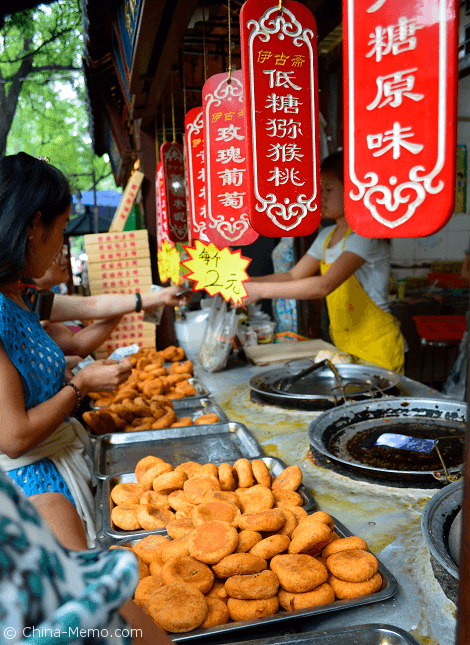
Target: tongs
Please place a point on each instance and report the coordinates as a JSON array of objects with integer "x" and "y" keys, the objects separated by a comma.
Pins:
[
  {"x": 287, "y": 381},
  {"x": 447, "y": 477}
]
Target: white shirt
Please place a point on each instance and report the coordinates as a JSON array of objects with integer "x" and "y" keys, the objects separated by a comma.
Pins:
[{"x": 373, "y": 275}]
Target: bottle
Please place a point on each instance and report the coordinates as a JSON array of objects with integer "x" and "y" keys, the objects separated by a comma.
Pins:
[{"x": 401, "y": 288}]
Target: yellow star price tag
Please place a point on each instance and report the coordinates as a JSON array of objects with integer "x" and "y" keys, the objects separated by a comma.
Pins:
[
  {"x": 168, "y": 263},
  {"x": 217, "y": 270}
]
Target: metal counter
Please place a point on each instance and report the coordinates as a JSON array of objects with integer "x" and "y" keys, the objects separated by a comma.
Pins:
[{"x": 388, "y": 518}]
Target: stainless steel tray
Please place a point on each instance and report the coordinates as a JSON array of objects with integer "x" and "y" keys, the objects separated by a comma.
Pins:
[
  {"x": 436, "y": 522},
  {"x": 190, "y": 407},
  {"x": 389, "y": 587},
  {"x": 276, "y": 466},
  {"x": 320, "y": 388},
  {"x": 202, "y": 392},
  {"x": 373, "y": 634},
  {"x": 119, "y": 452}
]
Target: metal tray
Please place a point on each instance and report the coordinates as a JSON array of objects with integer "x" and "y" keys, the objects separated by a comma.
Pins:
[
  {"x": 119, "y": 452},
  {"x": 202, "y": 392},
  {"x": 189, "y": 407},
  {"x": 435, "y": 411},
  {"x": 373, "y": 634},
  {"x": 276, "y": 466},
  {"x": 436, "y": 522},
  {"x": 319, "y": 390},
  {"x": 389, "y": 587}
]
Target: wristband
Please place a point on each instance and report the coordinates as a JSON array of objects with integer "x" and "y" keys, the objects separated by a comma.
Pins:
[
  {"x": 77, "y": 391},
  {"x": 138, "y": 302}
]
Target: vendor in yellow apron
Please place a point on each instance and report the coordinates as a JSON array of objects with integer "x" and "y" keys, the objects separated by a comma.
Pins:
[{"x": 358, "y": 326}]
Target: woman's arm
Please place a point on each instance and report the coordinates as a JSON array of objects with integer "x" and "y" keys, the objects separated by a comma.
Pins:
[
  {"x": 307, "y": 288},
  {"x": 109, "y": 305},
  {"x": 305, "y": 267},
  {"x": 85, "y": 341},
  {"x": 23, "y": 429}
]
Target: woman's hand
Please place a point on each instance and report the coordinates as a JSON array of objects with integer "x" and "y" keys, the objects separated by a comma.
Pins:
[
  {"x": 102, "y": 376},
  {"x": 253, "y": 290},
  {"x": 166, "y": 296}
]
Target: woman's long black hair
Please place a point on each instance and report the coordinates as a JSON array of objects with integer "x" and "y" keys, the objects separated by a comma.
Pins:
[{"x": 27, "y": 186}]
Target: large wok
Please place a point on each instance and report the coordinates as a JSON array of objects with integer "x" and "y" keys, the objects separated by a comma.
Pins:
[{"x": 430, "y": 418}]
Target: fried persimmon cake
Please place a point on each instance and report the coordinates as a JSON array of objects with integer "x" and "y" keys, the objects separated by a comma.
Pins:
[
  {"x": 146, "y": 588},
  {"x": 247, "y": 539},
  {"x": 218, "y": 591},
  {"x": 261, "y": 472},
  {"x": 159, "y": 500},
  {"x": 145, "y": 464},
  {"x": 255, "y": 499},
  {"x": 179, "y": 502},
  {"x": 218, "y": 613},
  {"x": 147, "y": 478},
  {"x": 286, "y": 498},
  {"x": 250, "y": 609},
  {"x": 169, "y": 481},
  {"x": 150, "y": 547},
  {"x": 151, "y": 517},
  {"x": 298, "y": 573},
  {"x": 198, "y": 486},
  {"x": 239, "y": 564},
  {"x": 244, "y": 473},
  {"x": 227, "y": 477},
  {"x": 178, "y": 607},
  {"x": 321, "y": 595},
  {"x": 289, "y": 479},
  {"x": 344, "y": 589},
  {"x": 176, "y": 548},
  {"x": 289, "y": 526},
  {"x": 344, "y": 544},
  {"x": 129, "y": 493},
  {"x": 270, "y": 520},
  {"x": 212, "y": 541},
  {"x": 206, "y": 418},
  {"x": 179, "y": 528},
  {"x": 155, "y": 567},
  {"x": 354, "y": 565},
  {"x": 209, "y": 511},
  {"x": 186, "y": 569},
  {"x": 182, "y": 422},
  {"x": 299, "y": 512},
  {"x": 209, "y": 469},
  {"x": 224, "y": 495},
  {"x": 271, "y": 546},
  {"x": 125, "y": 517},
  {"x": 191, "y": 468},
  {"x": 310, "y": 537},
  {"x": 254, "y": 586}
]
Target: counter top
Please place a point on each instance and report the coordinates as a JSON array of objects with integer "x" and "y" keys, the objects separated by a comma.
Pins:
[{"x": 388, "y": 518}]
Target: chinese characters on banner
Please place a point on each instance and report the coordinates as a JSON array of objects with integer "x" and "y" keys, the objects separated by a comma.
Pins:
[
  {"x": 194, "y": 135},
  {"x": 279, "y": 55},
  {"x": 172, "y": 158},
  {"x": 217, "y": 270},
  {"x": 127, "y": 201},
  {"x": 162, "y": 215},
  {"x": 400, "y": 75},
  {"x": 227, "y": 222}
]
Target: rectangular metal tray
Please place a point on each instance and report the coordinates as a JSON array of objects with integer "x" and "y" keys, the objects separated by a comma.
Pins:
[
  {"x": 276, "y": 466},
  {"x": 119, "y": 452},
  {"x": 389, "y": 587},
  {"x": 189, "y": 407},
  {"x": 373, "y": 634}
]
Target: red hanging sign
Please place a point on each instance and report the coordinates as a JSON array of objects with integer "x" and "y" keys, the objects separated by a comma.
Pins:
[
  {"x": 173, "y": 167},
  {"x": 279, "y": 54},
  {"x": 194, "y": 136},
  {"x": 225, "y": 162},
  {"x": 400, "y": 89},
  {"x": 162, "y": 214}
]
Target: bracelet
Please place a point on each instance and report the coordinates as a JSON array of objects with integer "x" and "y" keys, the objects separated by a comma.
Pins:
[
  {"x": 77, "y": 391},
  {"x": 138, "y": 302}
]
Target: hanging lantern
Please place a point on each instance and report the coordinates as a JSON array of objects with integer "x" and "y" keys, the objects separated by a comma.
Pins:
[
  {"x": 174, "y": 190},
  {"x": 195, "y": 172},
  {"x": 279, "y": 57}
]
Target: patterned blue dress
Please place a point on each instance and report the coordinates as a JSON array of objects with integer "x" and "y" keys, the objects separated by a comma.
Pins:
[
  {"x": 49, "y": 594},
  {"x": 41, "y": 364}
]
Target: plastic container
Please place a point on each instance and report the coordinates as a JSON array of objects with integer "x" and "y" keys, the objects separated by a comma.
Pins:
[
  {"x": 264, "y": 330},
  {"x": 440, "y": 328},
  {"x": 190, "y": 332}
]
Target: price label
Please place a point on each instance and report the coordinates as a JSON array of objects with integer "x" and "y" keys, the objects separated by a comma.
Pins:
[
  {"x": 217, "y": 270},
  {"x": 168, "y": 263}
]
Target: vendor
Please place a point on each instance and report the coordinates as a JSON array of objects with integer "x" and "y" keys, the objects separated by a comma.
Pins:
[{"x": 354, "y": 279}]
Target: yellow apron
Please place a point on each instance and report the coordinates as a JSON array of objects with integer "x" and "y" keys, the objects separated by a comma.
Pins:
[{"x": 358, "y": 326}]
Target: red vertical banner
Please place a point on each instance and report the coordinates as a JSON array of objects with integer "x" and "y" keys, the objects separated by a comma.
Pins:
[
  {"x": 400, "y": 92},
  {"x": 174, "y": 186},
  {"x": 195, "y": 173},
  {"x": 225, "y": 162},
  {"x": 279, "y": 55},
  {"x": 162, "y": 214}
]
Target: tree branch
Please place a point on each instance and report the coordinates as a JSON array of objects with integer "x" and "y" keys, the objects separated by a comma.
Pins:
[{"x": 33, "y": 52}]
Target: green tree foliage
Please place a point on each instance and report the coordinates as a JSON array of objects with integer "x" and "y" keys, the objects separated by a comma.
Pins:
[{"x": 42, "y": 91}]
